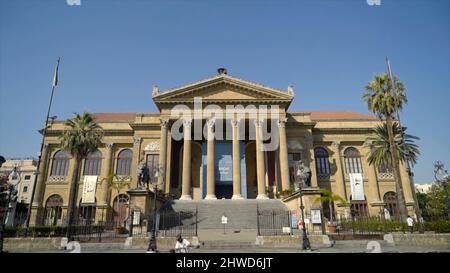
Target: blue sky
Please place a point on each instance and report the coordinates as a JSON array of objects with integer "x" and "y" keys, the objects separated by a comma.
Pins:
[{"x": 113, "y": 51}]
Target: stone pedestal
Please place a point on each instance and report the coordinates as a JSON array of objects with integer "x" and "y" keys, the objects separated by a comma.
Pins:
[{"x": 140, "y": 199}]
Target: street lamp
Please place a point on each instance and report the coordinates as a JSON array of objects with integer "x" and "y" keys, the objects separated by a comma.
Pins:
[
  {"x": 302, "y": 174},
  {"x": 443, "y": 177},
  {"x": 152, "y": 247},
  {"x": 11, "y": 192}
]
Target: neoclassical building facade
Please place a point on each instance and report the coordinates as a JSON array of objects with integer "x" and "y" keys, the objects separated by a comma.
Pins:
[{"x": 203, "y": 152}]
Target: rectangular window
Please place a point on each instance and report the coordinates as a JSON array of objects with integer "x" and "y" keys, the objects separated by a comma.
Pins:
[
  {"x": 25, "y": 189},
  {"x": 152, "y": 165},
  {"x": 293, "y": 158},
  {"x": 27, "y": 177}
]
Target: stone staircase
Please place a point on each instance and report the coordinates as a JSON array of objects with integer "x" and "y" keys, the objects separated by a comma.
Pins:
[{"x": 241, "y": 214}]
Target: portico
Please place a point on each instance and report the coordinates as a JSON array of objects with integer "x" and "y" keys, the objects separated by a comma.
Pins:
[{"x": 237, "y": 128}]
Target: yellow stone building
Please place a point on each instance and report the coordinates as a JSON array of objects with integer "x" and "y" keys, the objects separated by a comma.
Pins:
[{"x": 197, "y": 166}]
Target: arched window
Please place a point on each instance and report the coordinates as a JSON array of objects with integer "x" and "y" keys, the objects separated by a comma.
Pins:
[
  {"x": 93, "y": 163},
  {"x": 322, "y": 162},
  {"x": 120, "y": 209},
  {"x": 390, "y": 202},
  {"x": 60, "y": 165},
  {"x": 352, "y": 161},
  {"x": 53, "y": 210},
  {"x": 124, "y": 162}
]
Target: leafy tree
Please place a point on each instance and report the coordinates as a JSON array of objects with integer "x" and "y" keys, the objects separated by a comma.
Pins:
[
  {"x": 330, "y": 197},
  {"x": 381, "y": 154},
  {"x": 385, "y": 101},
  {"x": 80, "y": 137}
]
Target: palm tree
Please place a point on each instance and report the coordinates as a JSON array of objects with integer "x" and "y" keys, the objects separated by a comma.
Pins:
[
  {"x": 116, "y": 183},
  {"x": 380, "y": 154},
  {"x": 328, "y": 196},
  {"x": 80, "y": 137},
  {"x": 384, "y": 101}
]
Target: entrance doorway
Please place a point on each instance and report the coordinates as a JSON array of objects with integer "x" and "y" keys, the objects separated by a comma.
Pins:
[{"x": 223, "y": 164}]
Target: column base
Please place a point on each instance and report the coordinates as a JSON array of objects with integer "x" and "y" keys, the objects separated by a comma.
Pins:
[
  {"x": 262, "y": 196},
  {"x": 185, "y": 197},
  {"x": 237, "y": 196},
  {"x": 211, "y": 197}
]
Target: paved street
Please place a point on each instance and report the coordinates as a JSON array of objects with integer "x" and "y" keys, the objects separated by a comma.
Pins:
[{"x": 347, "y": 247}]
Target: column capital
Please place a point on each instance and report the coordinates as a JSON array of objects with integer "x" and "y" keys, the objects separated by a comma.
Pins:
[
  {"x": 235, "y": 122},
  {"x": 137, "y": 140},
  {"x": 368, "y": 144},
  {"x": 282, "y": 122},
  {"x": 164, "y": 122},
  {"x": 109, "y": 145},
  {"x": 258, "y": 122},
  {"x": 309, "y": 138},
  {"x": 336, "y": 144},
  {"x": 187, "y": 122},
  {"x": 211, "y": 122}
]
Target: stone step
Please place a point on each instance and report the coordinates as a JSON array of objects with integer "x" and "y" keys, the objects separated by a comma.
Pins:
[
  {"x": 226, "y": 244},
  {"x": 102, "y": 246},
  {"x": 241, "y": 214},
  {"x": 361, "y": 243}
]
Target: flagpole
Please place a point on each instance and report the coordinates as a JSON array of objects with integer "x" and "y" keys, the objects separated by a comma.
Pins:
[
  {"x": 409, "y": 169},
  {"x": 54, "y": 83}
]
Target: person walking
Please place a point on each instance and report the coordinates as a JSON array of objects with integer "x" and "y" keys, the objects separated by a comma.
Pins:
[{"x": 410, "y": 223}]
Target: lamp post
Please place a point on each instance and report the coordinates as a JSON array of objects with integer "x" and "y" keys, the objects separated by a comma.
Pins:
[
  {"x": 11, "y": 198},
  {"x": 302, "y": 174},
  {"x": 443, "y": 177},
  {"x": 152, "y": 247}
]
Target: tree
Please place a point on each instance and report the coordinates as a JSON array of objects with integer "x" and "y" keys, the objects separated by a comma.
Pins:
[
  {"x": 385, "y": 102},
  {"x": 116, "y": 183},
  {"x": 380, "y": 153},
  {"x": 422, "y": 199},
  {"x": 80, "y": 137},
  {"x": 436, "y": 199},
  {"x": 329, "y": 196}
]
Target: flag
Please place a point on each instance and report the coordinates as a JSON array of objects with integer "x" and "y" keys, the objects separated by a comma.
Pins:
[
  {"x": 55, "y": 77},
  {"x": 389, "y": 70}
]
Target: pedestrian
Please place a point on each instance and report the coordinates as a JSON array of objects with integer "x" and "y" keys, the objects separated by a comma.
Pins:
[
  {"x": 410, "y": 223},
  {"x": 182, "y": 245}
]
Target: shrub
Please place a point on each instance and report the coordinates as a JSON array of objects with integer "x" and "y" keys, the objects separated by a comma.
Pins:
[{"x": 440, "y": 226}]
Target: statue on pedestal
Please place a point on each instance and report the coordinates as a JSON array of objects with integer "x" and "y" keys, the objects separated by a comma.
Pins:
[{"x": 143, "y": 176}]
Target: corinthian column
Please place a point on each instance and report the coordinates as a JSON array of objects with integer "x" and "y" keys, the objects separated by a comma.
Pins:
[
  {"x": 42, "y": 173},
  {"x": 374, "y": 193},
  {"x": 163, "y": 152},
  {"x": 260, "y": 161},
  {"x": 406, "y": 182},
  {"x": 236, "y": 161},
  {"x": 135, "y": 161},
  {"x": 210, "y": 168},
  {"x": 186, "y": 179},
  {"x": 339, "y": 175},
  {"x": 108, "y": 160},
  {"x": 284, "y": 166},
  {"x": 37, "y": 205}
]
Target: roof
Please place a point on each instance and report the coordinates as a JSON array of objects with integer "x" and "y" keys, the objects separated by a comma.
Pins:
[
  {"x": 114, "y": 116},
  {"x": 315, "y": 115},
  {"x": 337, "y": 115}
]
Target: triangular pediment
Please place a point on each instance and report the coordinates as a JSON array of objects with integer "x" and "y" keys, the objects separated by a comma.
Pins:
[{"x": 221, "y": 89}]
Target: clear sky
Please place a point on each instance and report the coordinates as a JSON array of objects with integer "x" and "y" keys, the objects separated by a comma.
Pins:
[{"x": 113, "y": 51}]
